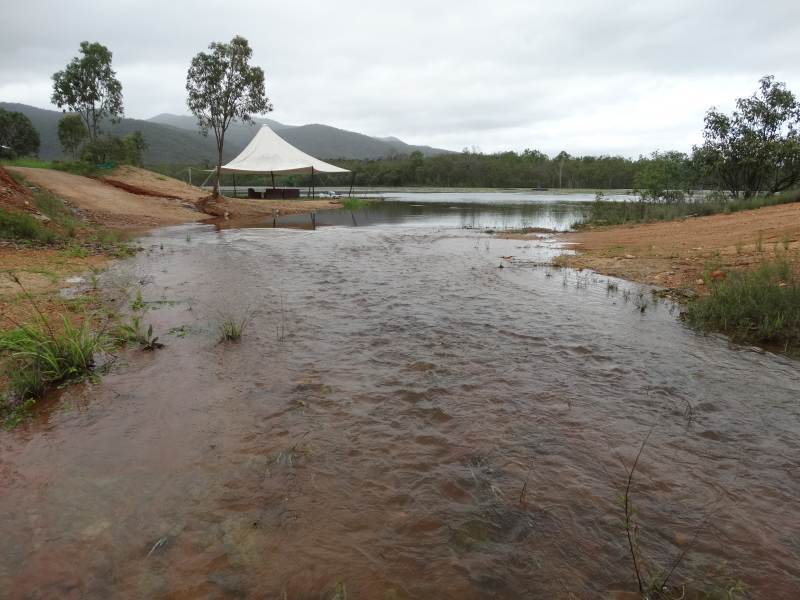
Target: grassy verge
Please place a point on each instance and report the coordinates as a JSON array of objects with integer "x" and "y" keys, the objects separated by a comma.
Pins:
[
  {"x": 64, "y": 229},
  {"x": 354, "y": 203},
  {"x": 761, "y": 306},
  {"x": 22, "y": 227},
  {"x": 605, "y": 212},
  {"x": 76, "y": 167}
]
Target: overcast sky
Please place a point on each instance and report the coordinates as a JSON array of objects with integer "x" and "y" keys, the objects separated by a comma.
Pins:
[{"x": 584, "y": 76}]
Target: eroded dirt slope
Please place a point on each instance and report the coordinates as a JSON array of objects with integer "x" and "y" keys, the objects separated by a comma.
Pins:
[{"x": 107, "y": 205}]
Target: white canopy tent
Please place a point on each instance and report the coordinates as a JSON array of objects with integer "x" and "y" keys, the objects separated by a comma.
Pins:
[{"x": 269, "y": 153}]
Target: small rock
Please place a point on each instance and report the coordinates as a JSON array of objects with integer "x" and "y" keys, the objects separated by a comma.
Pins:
[
  {"x": 629, "y": 256},
  {"x": 700, "y": 282}
]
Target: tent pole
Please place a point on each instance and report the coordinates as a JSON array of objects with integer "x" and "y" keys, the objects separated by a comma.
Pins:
[
  {"x": 273, "y": 179},
  {"x": 352, "y": 181},
  {"x": 234, "y": 185},
  {"x": 313, "y": 194}
]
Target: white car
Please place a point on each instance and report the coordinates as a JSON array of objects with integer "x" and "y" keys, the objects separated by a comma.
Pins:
[{"x": 331, "y": 194}]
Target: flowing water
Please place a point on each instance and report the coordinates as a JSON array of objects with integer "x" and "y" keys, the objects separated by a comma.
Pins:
[{"x": 402, "y": 419}]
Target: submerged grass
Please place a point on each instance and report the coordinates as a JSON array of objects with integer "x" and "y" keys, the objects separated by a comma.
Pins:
[
  {"x": 761, "y": 306},
  {"x": 606, "y": 212}
]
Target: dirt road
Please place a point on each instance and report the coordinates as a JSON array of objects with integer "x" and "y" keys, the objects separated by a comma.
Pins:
[{"x": 109, "y": 206}]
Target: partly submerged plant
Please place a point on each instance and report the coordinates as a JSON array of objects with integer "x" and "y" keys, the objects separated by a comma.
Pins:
[
  {"x": 132, "y": 333},
  {"x": 231, "y": 328},
  {"x": 138, "y": 302}
]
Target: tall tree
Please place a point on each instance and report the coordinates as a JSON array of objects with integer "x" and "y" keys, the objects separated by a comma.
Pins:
[
  {"x": 757, "y": 147},
  {"x": 72, "y": 133},
  {"x": 223, "y": 87},
  {"x": 18, "y": 133},
  {"x": 89, "y": 86}
]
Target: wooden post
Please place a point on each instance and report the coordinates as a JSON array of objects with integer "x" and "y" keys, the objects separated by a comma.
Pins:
[
  {"x": 352, "y": 182},
  {"x": 313, "y": 191},
  {"x": 313, "y": 221},
  {"x": 274, "y": 218},
  {"x": 273, "y": 179},
  {"x": 234, "y": 185}
]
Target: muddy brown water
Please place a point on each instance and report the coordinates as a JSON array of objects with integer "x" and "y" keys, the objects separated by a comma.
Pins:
[{"x": 374, "y": 430}]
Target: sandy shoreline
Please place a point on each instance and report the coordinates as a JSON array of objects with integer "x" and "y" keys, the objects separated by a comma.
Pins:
[{"x": 677, "y": 254}]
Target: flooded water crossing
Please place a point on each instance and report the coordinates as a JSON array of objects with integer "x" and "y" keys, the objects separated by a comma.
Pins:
[{"x": 401, "y": 419}]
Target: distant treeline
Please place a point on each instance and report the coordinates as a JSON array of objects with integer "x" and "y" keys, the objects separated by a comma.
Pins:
[{"x": 529, "y": 169}]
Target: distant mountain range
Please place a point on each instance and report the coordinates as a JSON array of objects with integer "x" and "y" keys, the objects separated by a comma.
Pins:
[{"x": 174, "y": 139}]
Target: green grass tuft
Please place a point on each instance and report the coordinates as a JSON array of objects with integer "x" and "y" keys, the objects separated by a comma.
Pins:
[
  {"x": 761, "y": 306},
  {"x": 23, "y": 227},
  {"x": 38, "y": 357},
  {"x": 354, "y": 203},
  {"x": 231, "y": 328}
]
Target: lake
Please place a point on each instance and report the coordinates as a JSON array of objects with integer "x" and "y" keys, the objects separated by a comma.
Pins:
[{"x": 462, "y": 210}]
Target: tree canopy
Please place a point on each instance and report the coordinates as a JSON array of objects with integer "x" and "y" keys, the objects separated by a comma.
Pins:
[
  {"x": 757, "y": 147},
  {"x": 89, "y": 86},
  {"x": 223, "y": 86},
  {"x": 18, "y": 133}
]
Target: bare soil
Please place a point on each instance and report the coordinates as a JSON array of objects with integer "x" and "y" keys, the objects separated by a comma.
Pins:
[{"x": 677, "y": 254}]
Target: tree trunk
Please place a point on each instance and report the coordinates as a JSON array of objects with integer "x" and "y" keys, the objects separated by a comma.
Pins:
[
  {"x": 219, "y": 173},
  {"x": 220, "y": 145}
]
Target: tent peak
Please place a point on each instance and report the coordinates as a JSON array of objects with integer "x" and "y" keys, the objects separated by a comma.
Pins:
[{"x": 267, "y": 152}]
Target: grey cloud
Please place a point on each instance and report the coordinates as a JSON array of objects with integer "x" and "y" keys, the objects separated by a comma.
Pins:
[{"x": 616, "y": 76}]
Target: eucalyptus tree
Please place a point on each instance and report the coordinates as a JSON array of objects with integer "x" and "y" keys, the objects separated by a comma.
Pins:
[
  {"x": 757, "y": 147},
  {"x": 223, "y": 87},
  {"x": 88, "y": 85}
]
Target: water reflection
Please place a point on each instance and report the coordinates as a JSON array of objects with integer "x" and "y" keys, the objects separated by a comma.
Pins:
[{"x": 559, "y": 216}]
